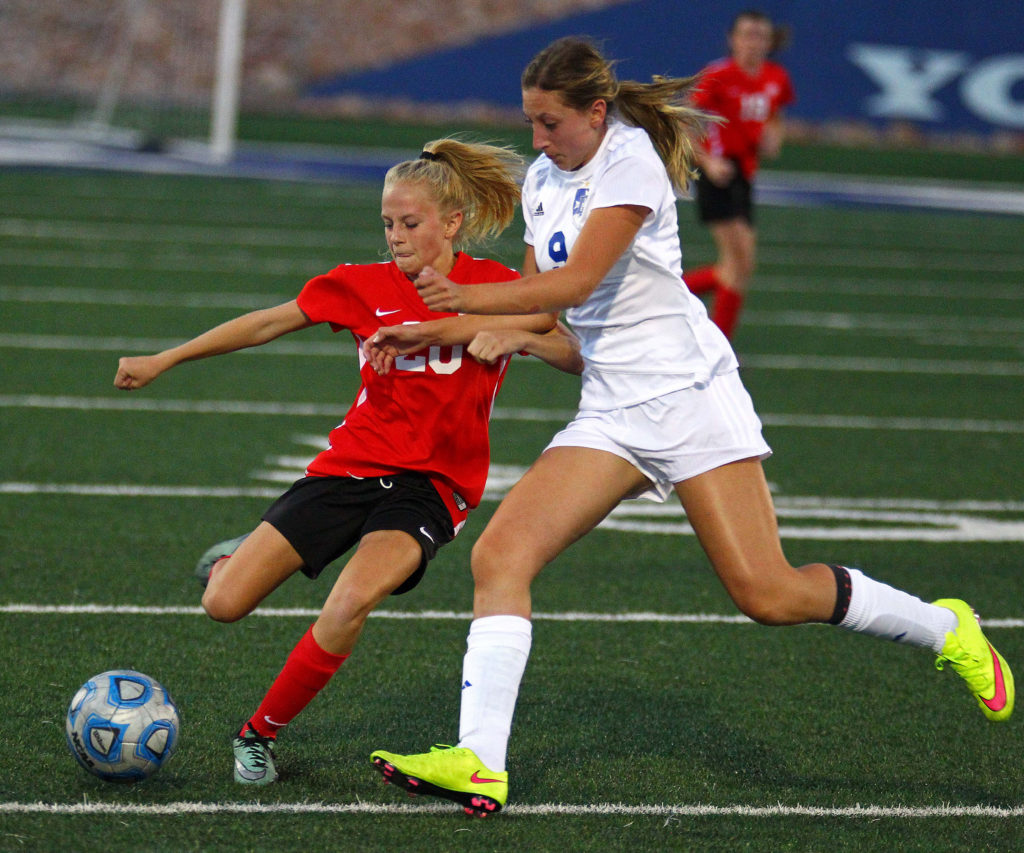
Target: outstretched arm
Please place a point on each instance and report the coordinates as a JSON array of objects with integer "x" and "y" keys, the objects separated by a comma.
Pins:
[{"x": 249, "y": 330}]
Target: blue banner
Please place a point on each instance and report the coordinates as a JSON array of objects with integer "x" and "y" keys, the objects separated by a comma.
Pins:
[{"x": 945, "y": 66}]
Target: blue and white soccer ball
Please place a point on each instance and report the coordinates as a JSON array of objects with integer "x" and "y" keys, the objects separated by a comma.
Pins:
[{"x": 122, "y": 726}]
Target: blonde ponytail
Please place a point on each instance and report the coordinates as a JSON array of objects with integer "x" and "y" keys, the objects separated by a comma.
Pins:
[{"x": 480, "y": 179}]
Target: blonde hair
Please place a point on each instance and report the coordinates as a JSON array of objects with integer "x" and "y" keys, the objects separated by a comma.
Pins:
[
  {"x": 477, "y": 178},
  {"x": 575, "y": 69}
]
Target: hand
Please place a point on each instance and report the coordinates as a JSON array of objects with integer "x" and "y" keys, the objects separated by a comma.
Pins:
[
  {"x": 771, "y": 141},
  {"x": 719, "y": 170},
  {"x": 389, "y": 342},
  {"x": 489, "y": 347},
  {"x": 439, "y": 293},
  {"x": 379, "y": 356},
  {"x": 136, "y": 371}
]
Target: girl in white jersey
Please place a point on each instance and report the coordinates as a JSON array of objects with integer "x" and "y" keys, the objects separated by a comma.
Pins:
[{"x": 662, "y": 410}]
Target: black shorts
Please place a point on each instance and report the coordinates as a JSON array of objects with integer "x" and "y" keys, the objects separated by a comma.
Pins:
[
  {"x": 733, "y": 201},
  {"x": 323, "y": 517}
]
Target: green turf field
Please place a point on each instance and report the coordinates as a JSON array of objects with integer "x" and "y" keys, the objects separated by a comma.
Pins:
[{"x": 885, "y": 351}]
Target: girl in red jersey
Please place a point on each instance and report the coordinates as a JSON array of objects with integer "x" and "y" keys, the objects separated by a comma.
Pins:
[
  {"x": 748, "y": 92},
  {"x": 411, "y": 456}
]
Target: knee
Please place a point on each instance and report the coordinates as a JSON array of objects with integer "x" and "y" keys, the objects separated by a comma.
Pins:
[
  {"x": 221, "y": 608},
  {"x": 498, "y": 562},
  {"x": 765, "y": 604},
  {"x": 503, "y": 573},
  {"x": 351, "y": 605},
  {"x": 483, "y": 560},
  {"x": 763, "y": 610}
]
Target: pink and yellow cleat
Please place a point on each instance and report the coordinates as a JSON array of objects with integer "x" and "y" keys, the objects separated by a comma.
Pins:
[
  {"x": 975, "y": 660},
  {"x": 454, "y": 773}
]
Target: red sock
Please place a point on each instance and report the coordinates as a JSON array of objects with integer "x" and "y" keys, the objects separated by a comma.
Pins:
[
  {"x": 702, "y": 280},
  {"x": 728, "y": 304},
  {"x": 305, "y": 673}
]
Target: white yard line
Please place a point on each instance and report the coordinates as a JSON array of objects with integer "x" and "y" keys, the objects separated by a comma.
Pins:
[
  {"x": 410, "y": 615},
  {"x": 824, "y": 519},
  {"x": 48, "y": 294},
  {"x": 806, "y": 281},
  {"x": 137, "y": 403},
  {"x": 859, "y": 811}
]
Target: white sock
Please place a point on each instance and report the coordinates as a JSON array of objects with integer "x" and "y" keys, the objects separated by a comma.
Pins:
[
  {"x": 496, "y": 654},
  {"x": 883, "y": 611}
]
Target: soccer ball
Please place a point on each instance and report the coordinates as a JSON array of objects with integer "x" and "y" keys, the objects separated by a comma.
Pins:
[{"x": 122, "y": 726}]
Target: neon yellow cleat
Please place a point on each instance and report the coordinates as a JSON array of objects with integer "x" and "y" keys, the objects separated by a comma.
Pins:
[
  {"x": 975, "y": 660},
  {"x": 454, "y": 773}
]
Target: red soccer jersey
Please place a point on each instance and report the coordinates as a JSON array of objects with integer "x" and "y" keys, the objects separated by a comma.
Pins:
[
  {"x": 746, "y": 103},
  {"x": 431, "y": 412}
]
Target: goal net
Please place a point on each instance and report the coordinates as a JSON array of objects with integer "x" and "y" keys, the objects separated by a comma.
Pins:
[{"x": 148, "y": 75}]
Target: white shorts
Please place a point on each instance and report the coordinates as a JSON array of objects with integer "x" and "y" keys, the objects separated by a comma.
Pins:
[{"x": 676, "y": 436}]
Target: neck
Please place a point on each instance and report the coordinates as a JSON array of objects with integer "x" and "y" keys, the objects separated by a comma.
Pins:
[
  {"x": 751, "y": 66},
  {"x": 449, "y": 263},
  {"x": 591, "y": 155}
]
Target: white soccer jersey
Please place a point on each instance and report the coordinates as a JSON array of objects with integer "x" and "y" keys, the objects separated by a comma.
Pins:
[{"x": 642, "y": 333}]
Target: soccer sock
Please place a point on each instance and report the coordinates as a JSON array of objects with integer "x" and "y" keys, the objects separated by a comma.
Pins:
[
  {"x": 701, "y": 280},
  {"x": 496, "y": 654},
  {"x": 728, "y": 304},
  {"x": 883, "y": 611},
  {"x": 305, "y": 673}
]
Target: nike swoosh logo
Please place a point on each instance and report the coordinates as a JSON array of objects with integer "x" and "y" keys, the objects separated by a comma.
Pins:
[
  {"x": 998, "y": 700},
  {"x": 479, "y": 780},
  {"x": 381, "y": 313},
  {"x": 245, "y": 773},
  {"x": 274, "y": 722},
  {"x": 426, "y": 533}
]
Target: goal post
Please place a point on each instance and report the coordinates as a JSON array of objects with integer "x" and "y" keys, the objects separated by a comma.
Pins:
[
  {"x": 143, "y": 75},
  {"x": 228, "y": 79}
]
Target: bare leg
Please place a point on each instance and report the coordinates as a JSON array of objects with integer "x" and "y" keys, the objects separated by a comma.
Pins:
[
  {"x": 736, "y": 242},
  {"x": 731, "y": 510},
  {"x": 383, "y": 560},
  {"x": 564, "y": 495},
  {"x": 240, "y": 582}
]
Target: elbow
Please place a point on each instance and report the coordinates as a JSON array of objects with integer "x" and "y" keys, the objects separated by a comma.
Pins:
[
  {"x": 540, "y": 323},
  {"x": 577, "y": 359},
  {"x": 573, "y": 359}
]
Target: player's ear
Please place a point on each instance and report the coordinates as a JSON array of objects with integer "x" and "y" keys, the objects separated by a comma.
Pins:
[{"x": 452, "y": 224}]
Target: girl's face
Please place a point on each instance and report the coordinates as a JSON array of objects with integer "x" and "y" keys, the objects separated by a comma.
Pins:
[
  {"x": 418, "y": 234},
  {"x": 750, "y": 42},
  {"x": 568, "y": 136}
]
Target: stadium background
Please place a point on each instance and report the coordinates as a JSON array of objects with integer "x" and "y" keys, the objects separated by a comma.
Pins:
[{"x": 865, "y": 70}]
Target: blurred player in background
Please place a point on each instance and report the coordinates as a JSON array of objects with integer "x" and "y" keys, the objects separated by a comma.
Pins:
[
  {"x": 748, "y": 92},
  {"x": 411, "y": 457}
]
